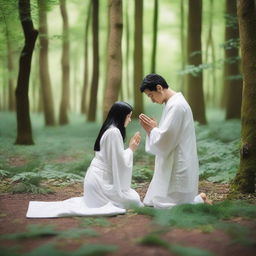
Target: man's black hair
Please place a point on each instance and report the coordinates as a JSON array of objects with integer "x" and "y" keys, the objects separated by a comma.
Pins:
[
  {"x": 116, "y": 116},
  {"x": 151, "y": 81}
]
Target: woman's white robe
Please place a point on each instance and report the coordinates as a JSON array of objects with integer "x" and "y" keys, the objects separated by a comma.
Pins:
[
  {"x": 106, "y": 185},
  {"x": 175, "y": 179}
]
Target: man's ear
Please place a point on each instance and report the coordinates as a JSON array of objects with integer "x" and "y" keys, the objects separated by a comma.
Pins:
[{"x": 159, "y": 88}]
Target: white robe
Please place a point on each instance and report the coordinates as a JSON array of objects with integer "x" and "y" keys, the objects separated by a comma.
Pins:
[
  {"x": 106, "y": 185},
  {"x": 175, "y": 179}
]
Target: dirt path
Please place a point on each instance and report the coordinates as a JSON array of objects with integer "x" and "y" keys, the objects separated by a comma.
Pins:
[{"x": 123, "y": 230}]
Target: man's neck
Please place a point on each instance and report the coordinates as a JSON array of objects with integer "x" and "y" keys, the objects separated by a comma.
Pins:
[{"x": 168, "y": 94}]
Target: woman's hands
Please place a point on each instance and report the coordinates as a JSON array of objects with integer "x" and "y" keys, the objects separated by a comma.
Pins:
[{"x": 135, "y": 141}]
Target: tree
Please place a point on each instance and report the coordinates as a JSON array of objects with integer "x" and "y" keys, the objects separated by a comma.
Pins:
[
  {"x": 85, "y": 82},
  {"x": 138, "y": 57},
  {"x": 232, "y": 80},
  {"x": 210, "y": 46},
  {"x": 155, "y": 29},
  {"x": 245, "y": 178},
  {"x": 194, "y": 47},
  {"x": 182, "y": 44},
  {"x": 114, "y": 75},
  {"x": 24, "y": 129},
  {"x": 64, "y": 104},
  {"x": 7, "y": 15},
  {"x": 96, "y": 69},
  {"x": 45, "y": 80}
]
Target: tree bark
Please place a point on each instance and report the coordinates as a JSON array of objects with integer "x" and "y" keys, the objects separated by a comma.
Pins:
[
  {"x": 45, "y": 80},
  {"x": 24, "y": 129},
  {"x": 11, "y": 91},
  {"x": 195, "y": 83},
  {"x": 233, "y": 87},
  {"x": 154, "y": 45},
  {"x": 138, "y": 58},
  {"x": 86, "y": 80},
  {"x": 95, "y": 74},
  {"x": 211, "y": 74},
  {"x": 127, "y": 52},
  {"x": 245, "y": 178},
  {"x": 114, "y": 75},
  {"x": 64, "y": 104}
]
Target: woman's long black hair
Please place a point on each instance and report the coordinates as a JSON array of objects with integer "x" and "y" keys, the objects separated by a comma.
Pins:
[{"x": 116, "y": 116}]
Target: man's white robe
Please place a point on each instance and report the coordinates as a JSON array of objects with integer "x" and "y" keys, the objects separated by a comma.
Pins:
[
  {"x": 106, "y": 184},
  {"x": 175, "y": 179}
]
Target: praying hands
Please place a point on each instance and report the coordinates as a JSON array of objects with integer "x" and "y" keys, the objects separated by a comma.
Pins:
[{"x": 147, "y": 123}]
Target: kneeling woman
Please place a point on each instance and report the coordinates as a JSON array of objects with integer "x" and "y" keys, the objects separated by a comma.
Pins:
[
  {"x": 107, "y": 183},
  {"x": 108, "y": 178}
]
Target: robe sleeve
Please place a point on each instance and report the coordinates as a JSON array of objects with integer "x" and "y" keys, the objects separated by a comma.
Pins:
[
  {"x": 119, "y": 160},
  {"x": 163, "y": 140}
]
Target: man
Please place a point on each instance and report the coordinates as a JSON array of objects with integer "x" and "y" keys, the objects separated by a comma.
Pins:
[{"x": 173, "y": 142}]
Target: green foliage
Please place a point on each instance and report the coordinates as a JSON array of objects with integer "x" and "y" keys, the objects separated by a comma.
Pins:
[
  {"x": 50, "y": 250},
  {"x": 155, "y": 240},
  {"x": 99, "y": 221},
  {"x": 198, "y": 215},
  {"x": 142, "y": 174},
  {"x": 4, "y": 173},
  {"x": 35, "y": 231},
  {"x": 218, "y": 150},
  {"x": 32, "y": 231}
]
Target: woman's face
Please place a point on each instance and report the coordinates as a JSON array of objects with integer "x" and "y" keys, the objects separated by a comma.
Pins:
[{"x": 128, "y": 119}]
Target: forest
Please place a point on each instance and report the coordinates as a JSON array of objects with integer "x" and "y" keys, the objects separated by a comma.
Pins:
[{"x": 63, "y": 65}]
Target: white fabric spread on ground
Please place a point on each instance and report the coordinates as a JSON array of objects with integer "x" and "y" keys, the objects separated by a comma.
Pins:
[
  {"x": 107, "y": 184},
  {"x": 71, "y": 207}
]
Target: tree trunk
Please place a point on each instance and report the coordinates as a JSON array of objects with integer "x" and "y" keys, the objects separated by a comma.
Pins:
[
  {"x": 245, "y": 178},
  {"x": 127, "y": 52},
  {"x": 86, "y": 80},
  {"x": 114, "y": 75},
  {"x": 233, "y": 87},
  {"x": 95, "y": 74},
  {"x": 182, "y": 45},
  {"x": 138, "y": 58},
  {"x": 64, "y": 104},
  {"x": 11, "y": 92},
  {"x": 195, "y": 83},
  {"x": 45, "y": 80},
  {"x": 155, "y": 22},
  {"x": 24, "y": 129},
  {"x": 211, "y": 74}
]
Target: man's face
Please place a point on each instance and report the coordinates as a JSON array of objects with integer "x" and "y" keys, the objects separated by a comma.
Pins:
[{"x": 155, "y": 96}]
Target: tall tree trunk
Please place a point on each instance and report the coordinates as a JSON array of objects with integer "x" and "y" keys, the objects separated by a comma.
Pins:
[
  {"x": 11, "y": 92},
  {"x": 95, "y": 72},
  {"x": 86, "y": 80},
  {"x": 154, "y": 45},
  {"x": 127, "y": 52},
  {"x": 64, "y": 104},
  {"x": 245, "y": 178},
  {"x": 24, "y": 129},
  {"x": 195, "y": 83},
  {"x": 114, "y": 75},
  {"x": 45, "y": 80},
  {"x": 182, "y": 44},
  {"x": 138, "y": 57},
  {"x": 233, "y": 87},
  {"x": 10, "y": 62},
  {"x": 211, "y": 77}
]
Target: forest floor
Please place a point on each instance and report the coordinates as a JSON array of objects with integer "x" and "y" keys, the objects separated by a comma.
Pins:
[{"x": 123, "y": 231}]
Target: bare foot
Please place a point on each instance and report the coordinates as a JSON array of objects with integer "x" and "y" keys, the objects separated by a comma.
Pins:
[{"x": 206, "y": 199}]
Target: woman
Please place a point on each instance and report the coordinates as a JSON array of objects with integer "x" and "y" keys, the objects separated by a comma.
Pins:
[
  {"x": 108, "y": 179},
  {"x": 107, "y": 183}
]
